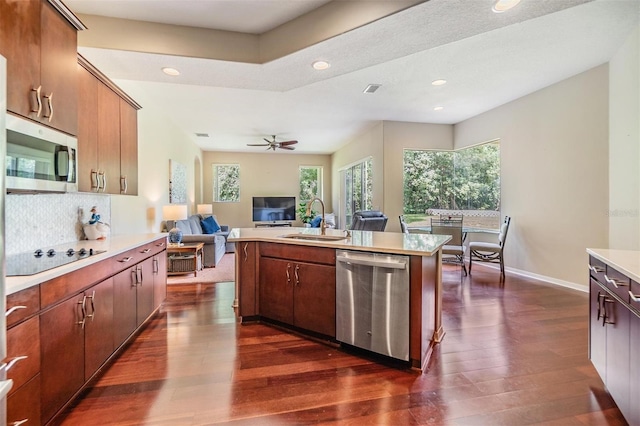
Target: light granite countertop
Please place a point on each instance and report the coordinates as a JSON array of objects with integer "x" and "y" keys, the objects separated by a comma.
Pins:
[
  {"x": 625, "y": 261},
  {"x": 112, "y": 246},
  {"x": 378, "y": 242}
]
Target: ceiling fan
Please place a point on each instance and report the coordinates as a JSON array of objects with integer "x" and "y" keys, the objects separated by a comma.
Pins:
[{"x": 272, "y": 144}]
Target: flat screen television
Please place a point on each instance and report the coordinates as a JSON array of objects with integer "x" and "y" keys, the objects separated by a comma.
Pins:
[{"x": 270, "y": 209}]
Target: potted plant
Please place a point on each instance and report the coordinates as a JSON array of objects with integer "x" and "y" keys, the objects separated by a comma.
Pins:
[{"x": 302, "y": 213}]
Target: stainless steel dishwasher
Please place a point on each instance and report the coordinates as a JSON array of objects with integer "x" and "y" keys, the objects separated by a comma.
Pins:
[{"x": 372, "y": 302}]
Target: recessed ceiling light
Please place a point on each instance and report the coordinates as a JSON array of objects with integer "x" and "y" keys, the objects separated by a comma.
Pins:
[
  {"x": 320, "y": 65},
  {"x": 439, "y": 82},
  {"x": 438, "y": 108},
  {"x": 170, "y": 71},
  {"x": 503, "y": 5}
]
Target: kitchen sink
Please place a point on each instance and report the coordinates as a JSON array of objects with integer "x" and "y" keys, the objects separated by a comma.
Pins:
[{"x": 312, "y": 237}]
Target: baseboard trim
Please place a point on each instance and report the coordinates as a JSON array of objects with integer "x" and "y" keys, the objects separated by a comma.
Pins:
[{"x": 544, "y": 278}]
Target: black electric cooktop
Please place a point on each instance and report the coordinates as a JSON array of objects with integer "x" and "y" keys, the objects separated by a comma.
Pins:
[{"x": 41, "y": 260}]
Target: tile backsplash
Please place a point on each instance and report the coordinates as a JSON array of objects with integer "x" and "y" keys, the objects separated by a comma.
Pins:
[{"x": 35, "y": 221}]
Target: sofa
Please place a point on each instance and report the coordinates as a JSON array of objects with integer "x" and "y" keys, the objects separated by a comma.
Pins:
[
  {"x": 215, "y": 244},
  {"x": 369, "y": 220}
]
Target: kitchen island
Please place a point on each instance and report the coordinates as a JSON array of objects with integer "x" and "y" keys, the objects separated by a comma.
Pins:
[{"x": 288, "y": 277}]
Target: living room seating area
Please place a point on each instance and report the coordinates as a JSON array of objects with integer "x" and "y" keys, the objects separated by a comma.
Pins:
[{"x": 215, "y": 243}]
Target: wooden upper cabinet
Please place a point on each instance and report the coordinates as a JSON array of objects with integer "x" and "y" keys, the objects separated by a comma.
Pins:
[
  {"x": 109, "y": 139},
  {"x": 87, "y": 131},
  {"x": 128, "y": 149},
  {"x": 40, "y": 46}
]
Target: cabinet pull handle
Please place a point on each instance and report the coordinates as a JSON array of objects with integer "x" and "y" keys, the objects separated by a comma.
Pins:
[
  {"x": 295, "y": 272},
  {"x": 95, "y": 181},
  {"x": 50, "y": 104},
  {"x": 634, "y": 297},
  {"x": 160, "y": 244},
  {"x": 139, "y": 270},
  {"x": 126, "y": 259},
  {"x": 13, "y": 361},
  {"x": 288, "y": 275},
  {"x": 156, "y": 268},
  {"x": 596, "y": 269},
  {"x": 600, "y": 306},
  {"x": 83, "y": 307},
  {"x": 19, "y": 422},
  {"x": 605, "y": 317},
  {"x": 246, "y": 255},
  {"x": 93, "y": 307},
  {"x": 104, "y": 181},
  {"x": 38, "y": 110},
  {"x": 123, "y": 184},
  {"x": 13, "y": 309},
  {"x": 147, "y": 250},
  {"x": 616, "y": 283}
]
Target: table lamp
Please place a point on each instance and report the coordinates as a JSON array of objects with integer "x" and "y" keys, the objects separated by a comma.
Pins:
[
  {"x": 174, "y": 212},
  {"x": 205, "y": 209}
]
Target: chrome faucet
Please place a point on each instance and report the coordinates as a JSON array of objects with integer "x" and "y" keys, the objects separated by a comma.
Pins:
[{"x": 323, "y": 225}]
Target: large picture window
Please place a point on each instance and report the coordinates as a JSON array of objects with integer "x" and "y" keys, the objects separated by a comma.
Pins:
[
  {"x": 443, "y": 182},
  {"x": 310, "y": 182},
  {"x": 226, "y": 183}
]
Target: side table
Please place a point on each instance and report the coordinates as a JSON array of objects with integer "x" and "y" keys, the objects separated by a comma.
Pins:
[{"x": 184, "y": 259}]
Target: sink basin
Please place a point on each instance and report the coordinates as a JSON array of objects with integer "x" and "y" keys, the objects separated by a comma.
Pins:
[{"x": 311, "y": 237}]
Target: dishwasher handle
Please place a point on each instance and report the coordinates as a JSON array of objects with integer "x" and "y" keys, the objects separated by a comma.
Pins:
[{"x": 393, "y": 264}]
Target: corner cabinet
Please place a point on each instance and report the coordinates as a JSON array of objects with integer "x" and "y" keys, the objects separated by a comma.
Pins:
[
  {"x": 614, "y": 334},
  {"x": 39, "y": 40},
  {"x": 107, "y": 134},
  {"x": 63, "y": 331},
  {"x": 298, "y": 287}
]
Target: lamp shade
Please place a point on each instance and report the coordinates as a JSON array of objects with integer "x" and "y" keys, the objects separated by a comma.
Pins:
[
  {"x": 174, "y": 212},
  {"x": 205, "y": 209}
]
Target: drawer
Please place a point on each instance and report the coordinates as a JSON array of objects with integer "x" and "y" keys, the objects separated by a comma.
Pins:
[
  {"x": 24, "y": 404},
  {"x": 299, "y": 253},
  {"x": 23, "y": 340},
  {"x": 23, "y": 304},
  {"x": 60, "y": 288},
  {"x": 634, "y": 295},
  {"x": 617, "y": 282},
  {"x": 597, "y": 269}
]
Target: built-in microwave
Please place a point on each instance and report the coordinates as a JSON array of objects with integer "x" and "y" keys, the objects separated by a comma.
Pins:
[{"x": 39, "y": 158}]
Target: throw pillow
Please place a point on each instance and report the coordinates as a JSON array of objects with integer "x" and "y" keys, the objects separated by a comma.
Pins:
[
  {"x": 209, "y": 225},
  {"x": 315, "y": 223}
]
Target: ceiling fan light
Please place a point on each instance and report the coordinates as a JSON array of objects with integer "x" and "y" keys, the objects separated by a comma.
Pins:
[{"x": 503, "y": 5}]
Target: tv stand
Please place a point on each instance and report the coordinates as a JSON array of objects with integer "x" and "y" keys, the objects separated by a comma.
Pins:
[{"x": 273, "y": 224}]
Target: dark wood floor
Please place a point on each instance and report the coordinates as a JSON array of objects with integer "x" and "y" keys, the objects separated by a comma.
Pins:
[{"x": 513, "y": 354}]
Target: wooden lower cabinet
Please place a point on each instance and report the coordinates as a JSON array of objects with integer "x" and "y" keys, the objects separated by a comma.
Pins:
[
  {"x": 247, "y": 282},
  {"x": 634, "y": 371},
  {"x": 297, "y": 293},
  {"x": 159, "y": 278},
  {"x": 144, "y": 291},
  {"x": 124, "y": 305},
  {"x": 24, "y": 404},
  {"x": 98, "y": 335}
]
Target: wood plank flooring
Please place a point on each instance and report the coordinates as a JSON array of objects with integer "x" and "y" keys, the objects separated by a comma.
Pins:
[{"x": 513, "y": 354}]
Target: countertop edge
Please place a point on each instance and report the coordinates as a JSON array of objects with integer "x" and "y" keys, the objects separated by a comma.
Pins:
[
  {"x": 625, "y": 261},
  {"x": 113, "y": 245}
]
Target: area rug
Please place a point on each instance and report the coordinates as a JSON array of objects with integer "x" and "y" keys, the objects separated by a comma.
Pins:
[{"x": 224, "y": 271}]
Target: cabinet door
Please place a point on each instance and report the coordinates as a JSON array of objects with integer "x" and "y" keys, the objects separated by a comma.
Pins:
[
  {"x": 314, "y": 296},
  {"x": 24, "y": 340},
  {"x": 87, "y": 131},
  {"x": 618, "y": 332},
  {"x": 597, "y": 330},
  {"x": 144, "y": 291},
  {"x": 124, "y": 305},
  {"x": 24, "y": 404},
  {"x": 276, "y": 289},
  {"x": 98, "y": 336},
  {"x": 128, "y": 149},
  {"x": 62, "y": 345},
  {"x": 634, "y": 371},
  {"x": 109, "y": 138},
  {"x": 159, "y": 278},
  {"x": 246, "y": 277},
  {"x": 20, "y": 44},
  {"x": 58, "y": 56}
]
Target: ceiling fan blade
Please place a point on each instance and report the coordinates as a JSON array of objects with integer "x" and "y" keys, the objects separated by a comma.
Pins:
[
  {"x": 258, "y": 144},
  {"x": 290, "y": 148},
  {"x": 268, "y": 141},
  {"x": 285, "y": 143}
]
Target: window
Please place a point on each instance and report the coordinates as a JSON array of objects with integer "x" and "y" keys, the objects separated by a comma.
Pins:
[
  {"x": 310, "y": 182},
  {"x": 466, "y": 180},
  {"x": 226, "y": 183},
  {"x": 357, "y": 184}
]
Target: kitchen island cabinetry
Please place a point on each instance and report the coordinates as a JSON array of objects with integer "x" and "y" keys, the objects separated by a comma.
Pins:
[
  {"x": 66, "y": 326},
  {"x": 246, "y": 272},
  {"x": 614, "y": 325},
  {"x": 107, "y": 135},
  {"x": 40, "y": 45},
  {"x": 297, "y": 293}
]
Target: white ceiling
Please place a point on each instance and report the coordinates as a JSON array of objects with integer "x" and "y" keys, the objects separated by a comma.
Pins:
[{"x": 487, "y": 59}]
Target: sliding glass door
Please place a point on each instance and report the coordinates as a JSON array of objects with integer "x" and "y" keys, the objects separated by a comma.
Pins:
[{"x": 357, "y": 187}]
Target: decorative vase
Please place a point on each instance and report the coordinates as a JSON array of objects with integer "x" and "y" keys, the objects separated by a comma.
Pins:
[{"x": 175, "y": 236}]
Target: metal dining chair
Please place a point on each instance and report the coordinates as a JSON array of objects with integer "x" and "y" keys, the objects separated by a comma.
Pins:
[
  {"x": 453, "y": 251},
  {"x": 491, "y": 252},
  {"x": 403, "y": 225}
]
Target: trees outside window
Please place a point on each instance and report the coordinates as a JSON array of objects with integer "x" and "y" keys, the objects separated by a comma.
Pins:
[
  {"x": 357, "y": 182},
  {"x": 226, "y": 183},
  {"x": 465, "y": 180},
  {"x": 310, "y": 182}
]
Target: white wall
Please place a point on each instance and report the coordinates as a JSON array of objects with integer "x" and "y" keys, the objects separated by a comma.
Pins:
[
  {"x": 624, "y": 146},
  {"x": 158, "y": 142},
  {"x": 555, "y": 173},
  {"x": 262, "y": 174}
]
